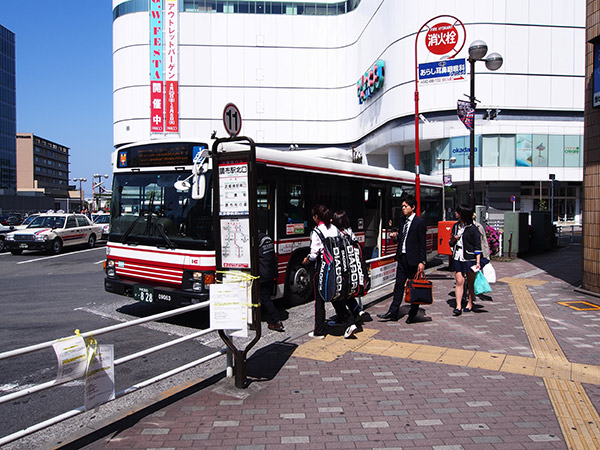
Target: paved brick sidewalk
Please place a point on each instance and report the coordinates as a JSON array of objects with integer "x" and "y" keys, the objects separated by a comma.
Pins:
[{"x": 388, "y": 389}]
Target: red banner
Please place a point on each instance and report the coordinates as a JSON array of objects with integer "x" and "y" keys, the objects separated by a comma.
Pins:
[
  {"x": 156, "y": 107},
  {"x": 172, "y": 100}
]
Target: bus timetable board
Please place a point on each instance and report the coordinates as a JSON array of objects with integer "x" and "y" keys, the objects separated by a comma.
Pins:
[{"x": 163, "y": 155}]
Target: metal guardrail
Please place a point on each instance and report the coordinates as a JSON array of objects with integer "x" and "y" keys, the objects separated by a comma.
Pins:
[{"x": 74, "y": 412}]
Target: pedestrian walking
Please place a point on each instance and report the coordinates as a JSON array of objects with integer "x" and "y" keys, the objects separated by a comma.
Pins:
[
  {"x": 411, "y": 256},
  {"x": 322, "y": 217},
  {"x": 348, "y": 307},
  {"x": 465, "y": 240}
]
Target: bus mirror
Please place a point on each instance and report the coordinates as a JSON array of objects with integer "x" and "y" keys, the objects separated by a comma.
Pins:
[
  {"x": 198, "y": 186},
  {"x": 182, "y": 185}
]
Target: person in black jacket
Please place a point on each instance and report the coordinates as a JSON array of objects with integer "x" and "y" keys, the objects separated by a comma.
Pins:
[
  {"x": 465, "y": 241},
  {"x": 267, "y": 269},
  {"x": 411, "y": 256}
]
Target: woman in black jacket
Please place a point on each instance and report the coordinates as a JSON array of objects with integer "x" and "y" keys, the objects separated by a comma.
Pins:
[{"x": 465, "y": 241}]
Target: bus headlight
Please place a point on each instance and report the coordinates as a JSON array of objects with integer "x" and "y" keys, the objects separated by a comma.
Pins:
[
  {"x": 197, "y": 286},
  {"x": 110, "y": 268}
]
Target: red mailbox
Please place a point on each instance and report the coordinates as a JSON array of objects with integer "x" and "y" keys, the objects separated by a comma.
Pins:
[{"x": 444, "y": 232}]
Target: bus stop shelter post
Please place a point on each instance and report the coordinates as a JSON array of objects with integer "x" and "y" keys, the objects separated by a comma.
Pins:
[{"x": 239, "y": 355}]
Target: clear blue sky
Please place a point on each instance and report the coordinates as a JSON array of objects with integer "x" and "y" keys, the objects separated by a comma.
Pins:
[{"x": 64, "y": 77}]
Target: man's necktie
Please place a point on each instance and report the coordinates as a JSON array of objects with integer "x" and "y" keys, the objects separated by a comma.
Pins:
[{"x": 404, "y": 232}]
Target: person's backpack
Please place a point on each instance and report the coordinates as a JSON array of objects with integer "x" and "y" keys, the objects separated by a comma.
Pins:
[
  {"x": 267, "y": 259},
  {"x": 331, "y": 282},
  {"x": 357, "y": 274}
]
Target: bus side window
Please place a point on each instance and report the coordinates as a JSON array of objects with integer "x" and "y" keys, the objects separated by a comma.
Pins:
[{"x": 294, "y": 203}]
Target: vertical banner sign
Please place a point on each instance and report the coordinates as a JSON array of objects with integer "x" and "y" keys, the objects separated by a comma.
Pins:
[
  {"x": 171, "y": 72},
  {"x": 157, "y": 112}
]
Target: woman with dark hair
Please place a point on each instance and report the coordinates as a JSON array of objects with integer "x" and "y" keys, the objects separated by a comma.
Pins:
[
  {"x": 322, "y": 217},
  {"x": 466, "y": 256},
  {"x": 341, "y": 221}
]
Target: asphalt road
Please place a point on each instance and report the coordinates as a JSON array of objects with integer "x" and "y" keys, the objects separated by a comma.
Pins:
[{"x": 43, "y": 298}]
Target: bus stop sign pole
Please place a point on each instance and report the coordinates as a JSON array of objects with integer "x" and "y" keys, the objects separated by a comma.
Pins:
[{"x": 237, "y": 207}]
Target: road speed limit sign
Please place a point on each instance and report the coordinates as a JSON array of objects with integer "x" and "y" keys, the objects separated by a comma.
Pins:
[{"x": 232, "y": 119}]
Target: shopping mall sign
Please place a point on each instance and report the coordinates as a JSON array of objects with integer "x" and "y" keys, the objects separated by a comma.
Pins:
[{"x": 371, "y": 81}]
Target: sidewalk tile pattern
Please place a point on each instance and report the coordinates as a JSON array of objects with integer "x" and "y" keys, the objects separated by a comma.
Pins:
[{"x": 476, "y": 381}]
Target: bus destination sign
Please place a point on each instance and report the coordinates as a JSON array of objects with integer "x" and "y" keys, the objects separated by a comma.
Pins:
[{"x": 153, "y": 156}]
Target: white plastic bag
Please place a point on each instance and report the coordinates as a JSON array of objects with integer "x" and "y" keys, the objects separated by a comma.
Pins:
[{"x": 489, "y": 273}]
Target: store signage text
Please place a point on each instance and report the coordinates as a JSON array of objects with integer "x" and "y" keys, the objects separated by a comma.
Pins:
[{"x": 371, "y": 81}]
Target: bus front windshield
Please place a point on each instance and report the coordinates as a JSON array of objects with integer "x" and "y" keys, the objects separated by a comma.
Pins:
[{"x": 147, "y": 209}]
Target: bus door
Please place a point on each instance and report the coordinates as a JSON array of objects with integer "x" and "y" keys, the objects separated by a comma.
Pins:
[
  {"x": 374, "y": 195},
  {"x": 265, "y": 198}
]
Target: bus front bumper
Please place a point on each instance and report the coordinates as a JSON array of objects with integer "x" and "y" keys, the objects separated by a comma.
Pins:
[{"x": 154, "y": 294}]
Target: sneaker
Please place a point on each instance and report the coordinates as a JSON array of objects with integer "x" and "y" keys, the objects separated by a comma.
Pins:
[
  {"x": 316, "y": 336},
  {"x": 364, "y": 316},
  {"x": 350, "y": 331}
]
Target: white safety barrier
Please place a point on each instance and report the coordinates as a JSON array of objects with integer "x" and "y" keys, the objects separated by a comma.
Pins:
[{"x": 135, "y": 387}]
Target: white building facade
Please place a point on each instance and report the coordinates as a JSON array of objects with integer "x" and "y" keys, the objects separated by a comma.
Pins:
[{"x": 292, "y": 69}]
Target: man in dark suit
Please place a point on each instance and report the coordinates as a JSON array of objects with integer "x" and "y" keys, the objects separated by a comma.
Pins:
[{"x": 411, "y": 257}]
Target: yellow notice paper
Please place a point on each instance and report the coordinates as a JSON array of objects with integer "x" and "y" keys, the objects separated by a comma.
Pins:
[
  {"x": 72, "y": 358},
  {"x": 100, "y": 378}
]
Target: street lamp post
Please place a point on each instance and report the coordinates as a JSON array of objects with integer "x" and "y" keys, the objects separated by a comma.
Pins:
[
  {"x": 81, "y": 180},
  {"x": 477, "y": 52},
  {"x": 97, "y": 185},
  {"x": 443, "y": 161}
]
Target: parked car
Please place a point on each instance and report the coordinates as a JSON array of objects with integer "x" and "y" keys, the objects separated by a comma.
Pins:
[
  {"x": 3, "y": 231},
  {"x": 11, "y": 219},
  {"x": 52, "y": 232},
  {"x": 104, "y": 220},
  {"x": 26, "y": 222}
]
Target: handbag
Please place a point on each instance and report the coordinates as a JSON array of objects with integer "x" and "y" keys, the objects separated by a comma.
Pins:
[
  {"x": 481, "y": 285},
  {"x": 489, "y": 273},
  {"x": 419, "y": 290}
]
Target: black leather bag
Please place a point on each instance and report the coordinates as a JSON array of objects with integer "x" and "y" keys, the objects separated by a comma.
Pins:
[{"x": 419, "y": 291}]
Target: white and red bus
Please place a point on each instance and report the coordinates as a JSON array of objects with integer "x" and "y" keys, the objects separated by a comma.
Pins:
[{"x": 161, "y": 243}]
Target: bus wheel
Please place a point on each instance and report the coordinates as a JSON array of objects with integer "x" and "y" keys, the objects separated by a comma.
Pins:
[{"x": 299, "y": 284}]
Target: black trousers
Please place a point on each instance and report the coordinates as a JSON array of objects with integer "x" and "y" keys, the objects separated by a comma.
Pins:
[
  {"x": 403, "y": 272},
  {"x": 268, "y": 308}
]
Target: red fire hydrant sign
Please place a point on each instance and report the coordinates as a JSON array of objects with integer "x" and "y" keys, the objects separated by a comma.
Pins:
[{"x": 441, "y": 38}]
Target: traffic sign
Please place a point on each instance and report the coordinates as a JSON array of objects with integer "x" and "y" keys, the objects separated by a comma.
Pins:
[
  {"x": 232, "y": 119},
  {"x": 513, "y": 198}
]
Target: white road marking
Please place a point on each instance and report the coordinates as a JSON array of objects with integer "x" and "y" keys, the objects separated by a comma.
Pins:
[{"x": 62, "y": 254}]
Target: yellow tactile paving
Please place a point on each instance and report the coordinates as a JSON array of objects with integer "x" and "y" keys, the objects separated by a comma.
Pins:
[
  {"x": 488, "y": 361},
  {"x": 518, "y": 364},
  {"x": 585, "y": 373},
  {"x": 402, "y": 350},
  {"x": 576, "y": 415},
  {"x": 456, "y": 357}
]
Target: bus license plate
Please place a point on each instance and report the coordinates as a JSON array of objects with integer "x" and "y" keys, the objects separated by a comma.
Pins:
[{"x": 143, "y": 294}]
